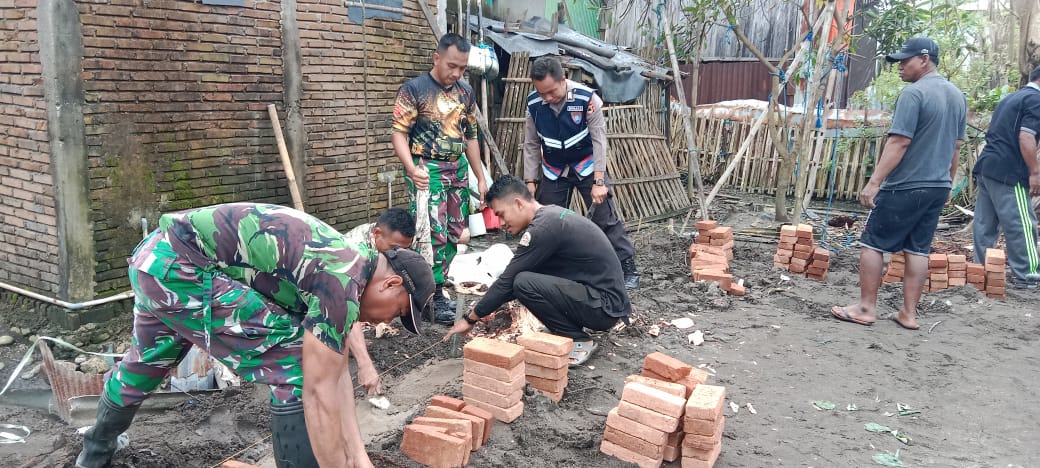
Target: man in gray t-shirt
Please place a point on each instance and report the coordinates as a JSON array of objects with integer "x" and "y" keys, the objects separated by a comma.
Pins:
[{"x": 911, "y": 182}]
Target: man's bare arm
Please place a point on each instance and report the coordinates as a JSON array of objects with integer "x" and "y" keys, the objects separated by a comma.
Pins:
[{"x": 329, "y": 408}]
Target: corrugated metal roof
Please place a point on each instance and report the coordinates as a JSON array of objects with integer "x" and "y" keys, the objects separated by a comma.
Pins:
[
  {"x": 584, "y": 15},
  {"x": 727, "y": 81}
]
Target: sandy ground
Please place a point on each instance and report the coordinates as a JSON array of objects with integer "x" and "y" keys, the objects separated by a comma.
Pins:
[{"x": 970, "y": 372}]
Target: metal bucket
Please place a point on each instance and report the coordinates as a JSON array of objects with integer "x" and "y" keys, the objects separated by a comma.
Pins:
[{"x": 483, "y": 62}]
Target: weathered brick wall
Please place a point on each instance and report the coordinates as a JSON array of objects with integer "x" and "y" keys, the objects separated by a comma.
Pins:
[
  {"x": 28, "y": 237},
  {"x": 334, "y": 92},
  {"x": 176, "y": 95}
]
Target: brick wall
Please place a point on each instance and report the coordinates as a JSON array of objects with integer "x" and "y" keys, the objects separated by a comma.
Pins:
[
  {"x": 176, "y": 95},
  {"x": 334, "y": 90},
  {"x": 28, "y": 237}
]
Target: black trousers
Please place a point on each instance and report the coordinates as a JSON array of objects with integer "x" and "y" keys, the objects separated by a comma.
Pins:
[
  {"x": 558, "y": 192},
  {"x": 566, "y": 307}
]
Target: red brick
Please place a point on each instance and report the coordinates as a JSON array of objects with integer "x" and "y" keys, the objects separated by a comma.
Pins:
[
  {"x": 444, "y": 401},
  {"x": 977, "y": 279},
  {"x": 722, "y": 232},
  {"x": 802, "y": 256},
  {"x": 804, "y": 231},
  {"x": 937, "y": 260},
  {"x": 781, "y": 266},
  {"x": 623, "y": 454},
  {"x": 463, "y": 426},
  {"x": 470, "y": 391},
  {"x": 696, "y": 377},
  {"x": 706, "y": 225},
  {"x": 653, "y": 399},
  {"x": 803, "y": 248},
  {"x": 673, "y": 448},
  {"x": 506, "y": 415},
  {"x": 708, "y": 257},
  {"x": 736, "y": 289},
  {"x": 938, "y": 276},
  {"x": 497, "y": 373},
  {"x": 996, "y": 290},
  {"x": 813, "y": 270},
  {"x": 545, "y": 360},
  {"x": 995, "y": 257},
  {"x": 724, "y": 279},
  {"x": 699, "y": 248},
  {"x": 495, "y": 353},
  {"x": 237, "y": 464},
  {"x": 703, "y": 238},
  {"x": 642, "y": 431},
  {"x": 494, "y": 385},
  {"x": 555, "y": 396},
  {"x": 661, "y": 422},
  {"x": 488, "y": 418},
  {"x": 696, "y": 461},
  {"x": 996, "y": 268},
  {"x": 958, "y": 273},
  {"x": 665, "y": 386},
  {"x": 653, "y": 375},
  {"x": 432, "y": 447},
  {"x": 545, "y": 372},
  {"x": 720, "y": 242},
  {"x": 958, "y": 261},
  {"x": 547, "y": 385},
  {"x": 817, "y": 277},
  {"x": 995, "y": 279},
  {"x": 699, "y": 272},
  {"x": 633, "y": 443},
  {"x": 958, "y": 282},
  {"x": 786, "y": 245},
  {"x": 976, "y": 269},
  {"x": 666, "y": 366},
  {"x": 702, "y": 427},
  {"x": 789, "y": 230},
  {"x": 476, "y": 424},
  {"x": 705, "y": 442},
  {"x": 545, "y": 343},
  {"x": 706, "y": 402},
  {"x": 821, "y": 253},
  {"x": 781, "y": 258}
]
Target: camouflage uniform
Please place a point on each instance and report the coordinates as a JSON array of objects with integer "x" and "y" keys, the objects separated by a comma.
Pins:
[
  {"x": 361, "y": 235},
  {"x": 243, "y": 281},
  {"x": 439, "y": 121}
]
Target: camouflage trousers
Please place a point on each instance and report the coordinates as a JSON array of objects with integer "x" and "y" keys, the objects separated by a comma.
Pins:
[
  {"x": 448, "y": 208},
  {"x": 179, "y": 305}
]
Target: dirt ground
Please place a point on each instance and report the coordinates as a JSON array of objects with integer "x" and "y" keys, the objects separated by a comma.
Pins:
[{"x": 970, "y": 372}]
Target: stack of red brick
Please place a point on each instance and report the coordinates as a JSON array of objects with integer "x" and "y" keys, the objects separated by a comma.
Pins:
[
  {"x": 896, "y": 268},
  {"x": 938, "y": 273},
  {"x": 797, "y": 253},
  {"x": 710, "y": 262},
  {"x": 703, "y": 423},
  {"x": 977, "y": 276},
  {"x": 447, "y": 433},
  {"x": 996, "y": 273},
  {"x": 493, "y": 377},
  {"x": 646, "y": 427},
  {"x": 546, "y": 361},
  {"x": 952, "y": 270},
  {"x": 957, "y": 270}
]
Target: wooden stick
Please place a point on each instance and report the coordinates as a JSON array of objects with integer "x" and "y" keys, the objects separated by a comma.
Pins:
[
  {"x": 691, "y": 145},
  {"x": 294, "y": 190}
]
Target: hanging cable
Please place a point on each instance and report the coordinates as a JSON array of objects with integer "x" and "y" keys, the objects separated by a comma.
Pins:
[{"x": 364, "y": 99}]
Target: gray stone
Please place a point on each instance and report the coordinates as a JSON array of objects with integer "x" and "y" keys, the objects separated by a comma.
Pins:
[
  {"x": 32, "y": 371},
  {"x": 94, "y": 365},
  {"x": 16, "y": 330},
  {"x": 89, "y": 327},
  {"x": 80, "y": 359},
  {"x": 101, "y": 337},
  {"x": 6, "y": 340}
]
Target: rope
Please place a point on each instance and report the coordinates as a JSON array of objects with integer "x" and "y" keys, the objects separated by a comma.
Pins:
[
  {"x": 839, "y": 65},
  {"x": 364, "y": 99}
]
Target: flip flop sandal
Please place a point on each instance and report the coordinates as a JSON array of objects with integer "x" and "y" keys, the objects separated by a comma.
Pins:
[
  {"x": 582, "y": 352},
  {"x": 840, "y": 314}
]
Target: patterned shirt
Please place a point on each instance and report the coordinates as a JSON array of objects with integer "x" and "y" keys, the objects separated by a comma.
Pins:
[
  {"x": 296, "y": 260},
  {"x": 438, "y": 120},
  {"x": 361, "y": 235}
]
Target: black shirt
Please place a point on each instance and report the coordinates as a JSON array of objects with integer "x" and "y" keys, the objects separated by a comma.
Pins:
[
  {"x": 1001, "y": 158},
  {"x": 561, "y": 243}
]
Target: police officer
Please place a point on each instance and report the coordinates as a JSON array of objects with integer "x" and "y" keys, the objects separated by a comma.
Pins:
[
  {"x": 565, "y": 135},
  {"x": 564, "y": 270}
]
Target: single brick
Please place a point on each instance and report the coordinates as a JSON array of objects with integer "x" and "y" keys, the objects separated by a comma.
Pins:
[
  {"x": 975, "y": 269},
  {"x": 699, "y": 459},
  {"x": 642, "y": 431},
  {"x": 958, "y": 282},
  {"x": 494, "y": 385},
  {"x": 899, "y": 257},
  {"x": 653, "y": 399},
  {"x": 706, "y": 225},
  {"x": 996, "y": 290},
  {"x": 804, "y": 249},
  {"x": 804, "y": 231},
  {"x": 555, "y": 396},
  {"x": 453, "y": 425},
  {"x": 633, "y": 443},
  {"x": 666, "y": 366},
  {"x": 673, "y": 449},
  {"x": 995, "y": 268},
  {"x": 797, "y": 268},
  {"x": 956, "y": 259},
  {"x": 705, "y": 442},
  {"x": 661, "y": 422},
  {"x": 494, "y": 352},
  {"x": 488, "y": 418},
  {"x": 778, "y": 258},
  {"x": 506, "y": 415},
  {"x": 476, "y": 424},
  {"x": 624, "y": 454},
  {"x": 696, "y": 377},
  {"x": 821, "y": 253},
  {"x": 814, "y": 270},
  {"x": 547, "y": 385},
  {"x": 705, "y": 402},
  {"x": 698, "y": 248},
  {"x": 470, "y": 391},
  {"x": 938, "y": 276},
  {"x": 545, "y": 372},
  {"x": 722, "y": 232},
  {"x": 545, "y": 360},
  {"x": 665, "y": 386},
  {"x": 958, "y": 273},
  {"x": 787, "y": 245},
  {"x": 937, "y": 260},
  {"x": 497, "y": 373},
  {"x": 817, "y": 277},
  {"x": 995, "y": 279},
  {"x": 653, "y": 375},
  {"x": 720, "y": 242},
  {"x": 803, "y": 255},
  {"x": 701, "y": 427},
  {"x": 432, "y": 446},
  {"x": 724, "y": 279},
  {"x": 445, "y": 401},
  {"x": 736, "y": 289},
  {"x": 977, "y": 279},
  {"x": 703, "y": 238},
  {"x": 546, "y": 343},
  {"x": 995, "y": 257},
  {"x": 789, "y": 230}
]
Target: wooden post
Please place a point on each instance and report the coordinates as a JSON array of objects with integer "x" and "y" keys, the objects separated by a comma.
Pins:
[
  {"x": 812, "y": 94},
  {"x": 290, "y": 175},
  {"x": 691, "y": 145}
]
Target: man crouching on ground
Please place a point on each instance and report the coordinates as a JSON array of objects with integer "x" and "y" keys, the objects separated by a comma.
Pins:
[
  {"x": 564, "y": 270},
  {"x": 272, "y": 293}
]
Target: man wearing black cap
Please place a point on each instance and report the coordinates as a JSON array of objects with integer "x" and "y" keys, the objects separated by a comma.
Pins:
[
  {"x": 911, "y": 181},
  {"x": 1007, "y": 174},
  {"x": 272, "y": 293}
]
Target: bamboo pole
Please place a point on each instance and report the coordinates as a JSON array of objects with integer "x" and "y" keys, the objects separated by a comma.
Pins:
[
  {"x": 290, "y": 175},
  {"x": 691, "y": 146},
  {"x": 813, "y": 94}
]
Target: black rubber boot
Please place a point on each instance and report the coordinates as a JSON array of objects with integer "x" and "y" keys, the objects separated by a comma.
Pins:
[
  {"x": 444, "y": 309},
  {"x": 292, "y": 445},
  {"x": 628, "y": 267},
  {"x": 99, "y": 442}
]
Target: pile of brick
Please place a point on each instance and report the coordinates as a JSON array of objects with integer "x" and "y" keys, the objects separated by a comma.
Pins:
[
  {"x": 797, "y": 253},
  {"x": 957, "y": 270},
  {"x": 493, "y": 377},
  {"x": 710, "y": 256},
  {"x": 646, "y": 427},
  {"x": 703, "y": 423},
  {"x": 446, "y": 434},
  {"x": 896, "y": 268},
  {"x": 546, "y": 362},
  {"x": 996, "y": 276},
  {"x": 938, "y": 276},
  {"x": 977, "y": 276}
]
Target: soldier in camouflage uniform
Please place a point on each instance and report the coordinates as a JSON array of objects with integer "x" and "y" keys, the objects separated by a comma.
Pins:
[
  {"x": 394, "y": 228},
  {"x": 272, "y": 293},
  {"x": 434, "y": 126}
]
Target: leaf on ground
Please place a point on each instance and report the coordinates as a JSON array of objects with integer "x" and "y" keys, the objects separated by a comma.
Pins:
[
  {"x": 903, "y": 437},
  {"x": 875, "y": 427},
  {"x": 823, "y": 405},
  {"x": 888, "y": 459},
  {"x": 905, "y": 410}
]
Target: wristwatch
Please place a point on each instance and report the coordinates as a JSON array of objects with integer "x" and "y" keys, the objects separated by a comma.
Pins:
[
  {"x": 469, "y": 320},
  {"x": 600, "y": 182},
  {"x": 531, "y": 181}
]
